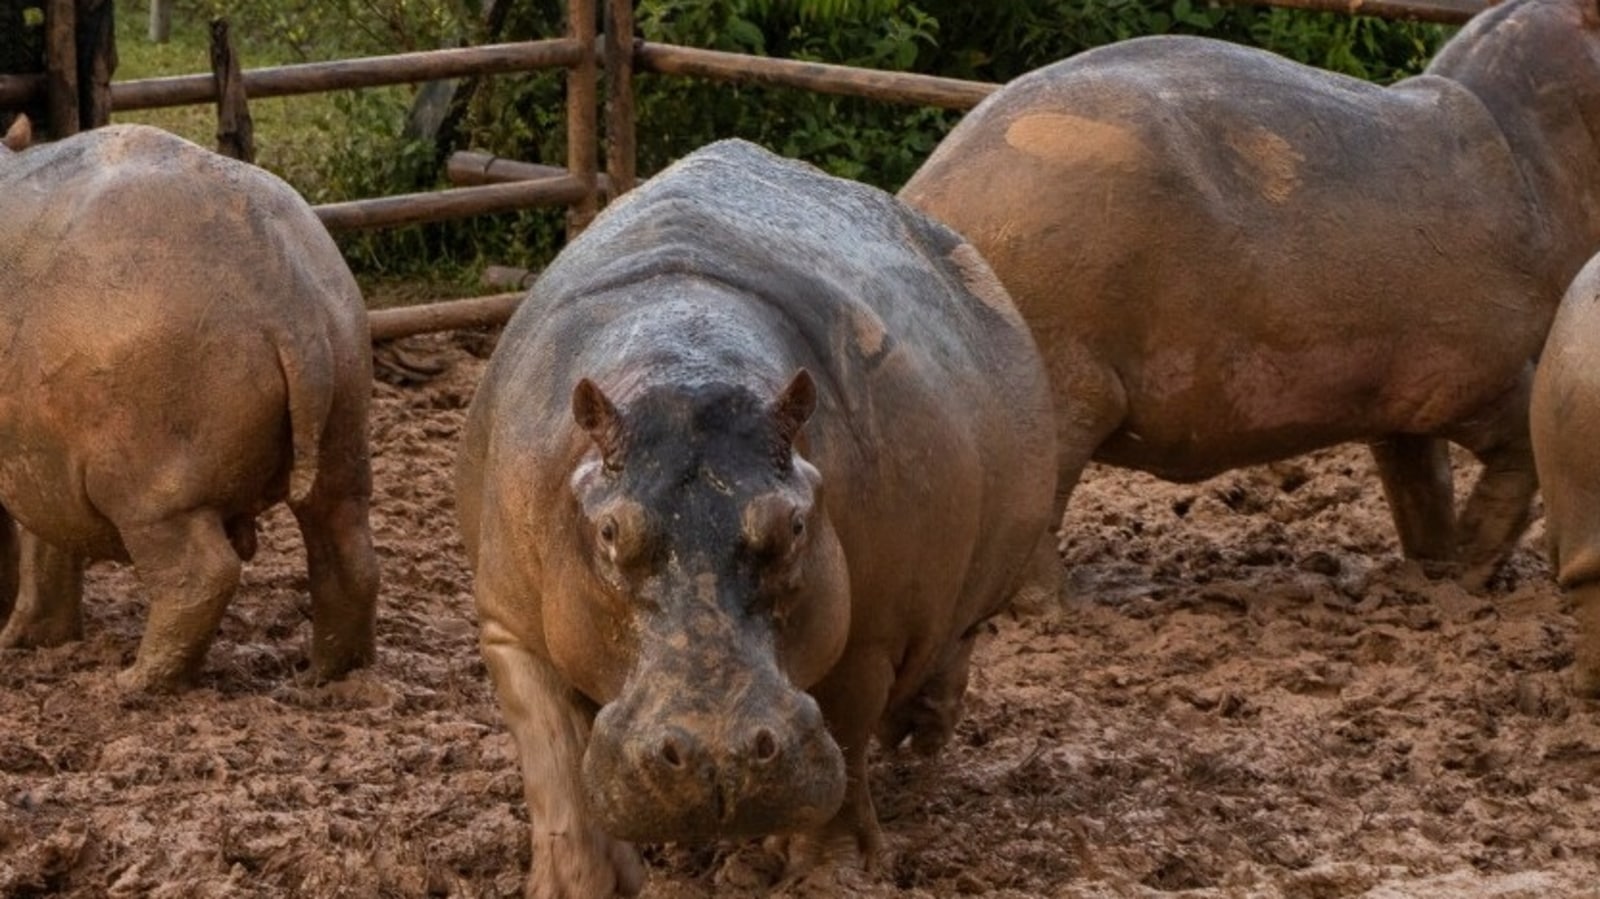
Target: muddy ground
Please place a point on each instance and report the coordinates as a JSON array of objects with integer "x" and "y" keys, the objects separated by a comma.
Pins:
[{"x": 1245, "y": 692}]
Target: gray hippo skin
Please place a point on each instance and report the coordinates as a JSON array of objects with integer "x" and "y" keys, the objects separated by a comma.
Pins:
[
  {"x": 1228, "y": 258},
  {"x": 181, "y": 348},
  {"x": 1565, "y": 417},
  {"x": 756, "y": 456}
]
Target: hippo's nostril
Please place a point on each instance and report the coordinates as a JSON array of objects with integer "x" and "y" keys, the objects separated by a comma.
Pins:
[
  {"x": 671, "y": 753},
  {"x": 765, "y": 746}
]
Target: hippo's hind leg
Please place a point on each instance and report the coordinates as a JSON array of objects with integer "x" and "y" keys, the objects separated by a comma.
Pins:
[
  {"x": 191, "y": 570},
  {"x": 1585, "y": 599},
  {"x": 1499, "y": 507},
  {"x": 10, "y": 563},
  {"x": 930, "y": 716},
  {"x": 1415, "y": 471},
  {"x": 48, "y": 585},
  {"x": 340, "y": 561},
  {"x": 572, "y": 856}
]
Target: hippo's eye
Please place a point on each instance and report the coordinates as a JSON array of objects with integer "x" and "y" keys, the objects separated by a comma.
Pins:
[
  {"x": 608, "y": 530},
  {"x": 797, "y": 523}
]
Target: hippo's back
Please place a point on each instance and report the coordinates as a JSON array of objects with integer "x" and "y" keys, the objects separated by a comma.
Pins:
[
  {"x": 1177, "y": 217},
  {"x": 160, "y": 220},
  {"x": 856, "y": 274}
]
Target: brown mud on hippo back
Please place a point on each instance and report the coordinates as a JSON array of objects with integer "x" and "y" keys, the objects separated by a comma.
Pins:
[
  {"x": 748, "y": 467},
  {"x": 181, "y": 347},
  {"x": 1565, "y": 418},
  {"x": 1228, "y": 258}
]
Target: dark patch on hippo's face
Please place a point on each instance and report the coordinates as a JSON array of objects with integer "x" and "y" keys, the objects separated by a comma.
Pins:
[{"x": 706, "y": 527}]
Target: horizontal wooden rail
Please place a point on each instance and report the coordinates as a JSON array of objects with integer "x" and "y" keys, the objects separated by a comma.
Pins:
[
  {"x": 470, "y": 167},
  {"x": 895, "y": 87},
  {"x": 372, "y": 71},
  {"x": 18, "y": 90},
  {"x": 457, "y": 202},
  {"x": 451, "y": 315},
  {"x": 1444, "y": 12}
]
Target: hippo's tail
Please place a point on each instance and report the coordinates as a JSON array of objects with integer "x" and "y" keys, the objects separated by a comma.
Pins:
[{"x": 308, "y": 374}]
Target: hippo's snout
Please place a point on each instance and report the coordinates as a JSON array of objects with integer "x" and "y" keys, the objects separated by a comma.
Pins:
[{"x": 679, "y": 769}]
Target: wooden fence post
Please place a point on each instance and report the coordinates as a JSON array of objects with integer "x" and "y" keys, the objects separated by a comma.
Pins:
[
  {"x": 621, "y": 145},
  {"x": 160, "y": 21},
  {"x": 583, "y": 125},
  {"x": 235, "y": 131},
  {"x": 97, "y": 61},
  {"x": 61, "y": 67}
]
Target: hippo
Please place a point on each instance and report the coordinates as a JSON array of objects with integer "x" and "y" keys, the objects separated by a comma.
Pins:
[
  {"x": 1228, "y": 258},
  {"x": 751, "y": 464},
  {"x": 1565, "y": 419},
  {"x": 182, "y": 347}
]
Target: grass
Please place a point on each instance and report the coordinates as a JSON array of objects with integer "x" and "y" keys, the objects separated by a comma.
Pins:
[{"x": 329, "y": 146}]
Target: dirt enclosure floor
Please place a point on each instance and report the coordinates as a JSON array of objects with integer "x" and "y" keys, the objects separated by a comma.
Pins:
[{"x": 1244, "y": 692}]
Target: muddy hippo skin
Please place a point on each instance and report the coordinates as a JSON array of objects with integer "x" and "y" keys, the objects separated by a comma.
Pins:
[
  {"x": 750, "y": 464},
  {"x": 1228, "y": 258},
  {"x": 181, "y": 347},
  {"x": 1565, "y": 414}
]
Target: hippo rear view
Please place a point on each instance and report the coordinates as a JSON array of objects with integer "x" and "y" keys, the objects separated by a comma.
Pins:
[
  {"x": 750, "y": 464},
  {"x": 1228, "y": 258},
  {"x": 181, "y": 348}
]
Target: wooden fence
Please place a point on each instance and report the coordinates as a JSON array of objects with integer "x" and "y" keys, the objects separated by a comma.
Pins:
[{"x": 77, "y": 92}]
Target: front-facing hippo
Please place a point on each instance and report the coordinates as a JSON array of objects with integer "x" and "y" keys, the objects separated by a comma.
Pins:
[
  {"x": 181, "y": 347},
  {"x": 1228, "y": 258},
  {"x": 749, "y": 465}
]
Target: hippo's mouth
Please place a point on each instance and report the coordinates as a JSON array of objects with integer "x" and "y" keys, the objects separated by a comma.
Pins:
[{"x": 662, "y": 784}]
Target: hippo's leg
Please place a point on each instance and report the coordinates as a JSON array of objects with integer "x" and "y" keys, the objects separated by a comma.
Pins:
[
  {"x": 49, "y": 604},
  {"x": 852, "y": 698},
  {"x": 1415, "y": 471},
  {"x": 1499, "y": 507},
  {"x": 930, "y": 717},
  {"x": 1585, "y": 599},
  {"x": 572, "y": 856},
  {"x": 10, "y": 563},
  {"x": 1095, "y": 406},
  {"x": 191, "y": 571},
  {"x": 343, "y": 571}
]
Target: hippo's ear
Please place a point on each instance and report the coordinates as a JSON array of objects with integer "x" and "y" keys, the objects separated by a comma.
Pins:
[
  {"x": 19, "y": 135},
  {"x": 593, "y": 412},
  {"x": 793, "y": 407}
]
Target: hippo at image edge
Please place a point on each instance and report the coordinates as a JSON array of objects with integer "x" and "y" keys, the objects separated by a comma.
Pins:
[
  {"x": 181, "y": 348},
  {"x": 1565, "y": 419},
  {"x": 1228, "y": 258},
  {"x": 748, "y": 468}
]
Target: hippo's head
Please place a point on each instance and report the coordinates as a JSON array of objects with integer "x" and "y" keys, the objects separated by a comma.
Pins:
[{"x": 706, "y": 532}]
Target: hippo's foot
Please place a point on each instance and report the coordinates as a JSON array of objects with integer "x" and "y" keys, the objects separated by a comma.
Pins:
[
  {"x": 140, "y": 678},
  {"x": 847, "y": 841},
  {"x": 38, "y": 631},
  {"x": 928, "y": 718},
  {"x": 333, "y": 664},
  {"x": 590, "y": 866},
  {"x": 1586, "y": 680},
  {"x": 1586, "y": 662}
]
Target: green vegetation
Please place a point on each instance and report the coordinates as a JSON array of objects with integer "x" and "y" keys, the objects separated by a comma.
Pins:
[{"x": 352, "y": 144}]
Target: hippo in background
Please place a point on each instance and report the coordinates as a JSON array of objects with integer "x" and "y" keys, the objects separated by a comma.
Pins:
[
  {"x": 747, "y": 470},
  {"x": 1565, "y": 418},
  {"x": 1228, "y": 258},
  {"x": 182, "y": 347}
]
